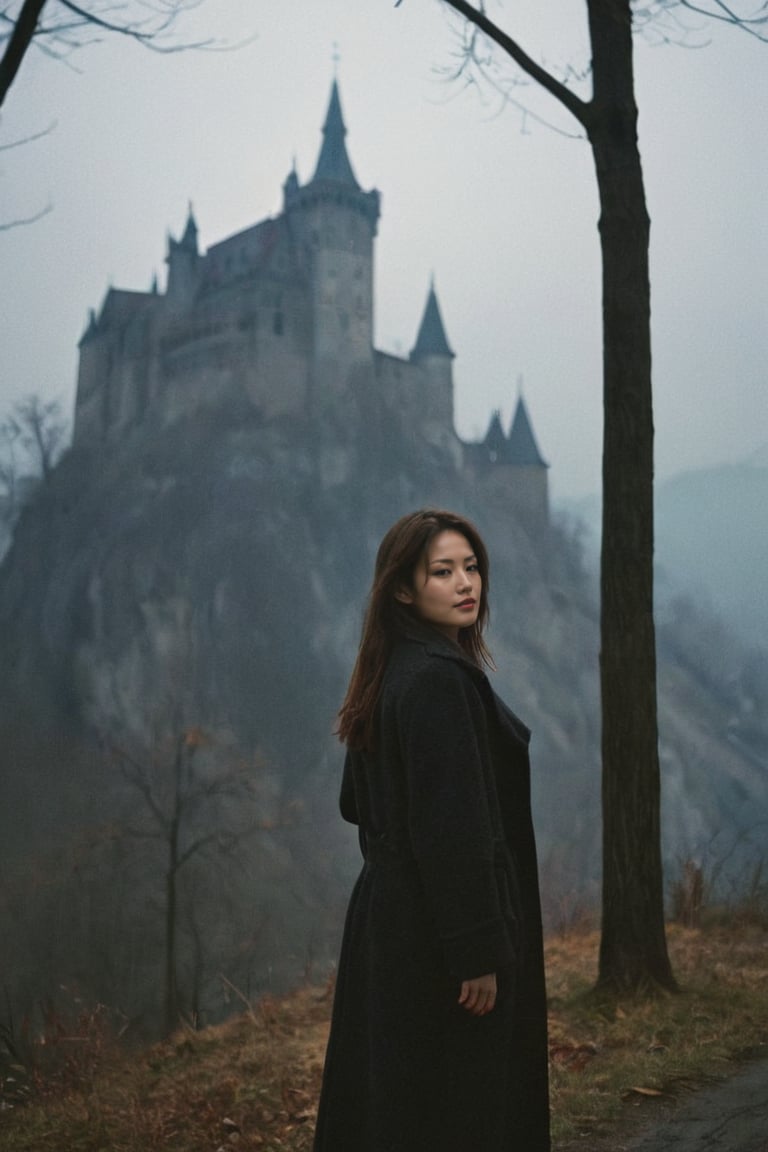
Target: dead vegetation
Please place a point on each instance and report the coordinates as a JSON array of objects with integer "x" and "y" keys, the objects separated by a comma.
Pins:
[{"x": 252, "y": 1083}]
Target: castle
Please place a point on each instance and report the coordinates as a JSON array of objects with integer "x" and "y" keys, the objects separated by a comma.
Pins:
[{"x": 280, "y": 316}]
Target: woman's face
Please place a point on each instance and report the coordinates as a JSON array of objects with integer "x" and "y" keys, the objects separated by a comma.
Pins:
[{"x": 446, "y": 585}]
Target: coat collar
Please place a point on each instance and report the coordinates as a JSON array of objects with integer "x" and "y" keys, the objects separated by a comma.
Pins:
[{"x": 437, "y": 644}]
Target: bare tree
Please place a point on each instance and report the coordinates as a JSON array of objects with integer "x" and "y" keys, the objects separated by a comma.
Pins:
[
  {"x": 9, "y": 471},
  {"x": 633, "y": 952},
  {"x": 59, "y": 27},
  {"x": 194, "y": 809},
  {"x": 41, "y": 429}
]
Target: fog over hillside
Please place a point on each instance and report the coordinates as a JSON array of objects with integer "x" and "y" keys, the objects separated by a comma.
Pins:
[
  {"x": 179, "y": 615},
  {"x": 711, "y": 541}
]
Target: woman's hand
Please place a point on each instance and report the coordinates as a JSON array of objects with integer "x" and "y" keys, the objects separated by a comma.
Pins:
[{"x": 478, "y": 996}]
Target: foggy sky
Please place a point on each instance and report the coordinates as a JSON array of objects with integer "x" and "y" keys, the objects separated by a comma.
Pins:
[{"x": 500, "y": 208}]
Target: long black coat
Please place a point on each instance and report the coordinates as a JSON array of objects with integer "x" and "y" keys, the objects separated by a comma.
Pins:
[{"x": 448, "y": 892}]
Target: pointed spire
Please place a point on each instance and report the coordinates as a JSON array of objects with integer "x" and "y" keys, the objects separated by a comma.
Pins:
[
  {"x": 189, "y": 239},
  {"x": 522, "y": 448},
  {"x": 291, "y": 185},
  {"x": 495, "y": 440},
  {"x": 333, "y": 161},
  {"x": 431, "y": 340}
]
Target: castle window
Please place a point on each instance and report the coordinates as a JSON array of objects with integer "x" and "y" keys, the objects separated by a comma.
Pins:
[{"x": 277, "y": 323}]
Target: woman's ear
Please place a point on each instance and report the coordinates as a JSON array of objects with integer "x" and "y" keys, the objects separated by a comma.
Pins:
[{"x": 404, "y": 595}]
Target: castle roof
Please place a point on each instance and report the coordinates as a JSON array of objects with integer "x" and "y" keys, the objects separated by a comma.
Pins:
[
  {"x": 519, "y": 449},
  {"x": 522, "y": 448},
  {"x": 333, "y": 161},
  {"x": 431, "y": 340}
]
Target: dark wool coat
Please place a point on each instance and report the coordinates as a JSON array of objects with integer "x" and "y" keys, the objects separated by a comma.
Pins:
[{"x": 448, "y": 892}]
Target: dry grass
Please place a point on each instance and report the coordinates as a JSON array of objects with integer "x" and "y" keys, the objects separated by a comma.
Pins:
[
  {"x": 252, "y": 1083},
  {"x": 610, "y": 1060}
]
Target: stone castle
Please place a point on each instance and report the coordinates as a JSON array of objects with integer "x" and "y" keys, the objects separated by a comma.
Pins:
[{"x": 280, "y": 316}]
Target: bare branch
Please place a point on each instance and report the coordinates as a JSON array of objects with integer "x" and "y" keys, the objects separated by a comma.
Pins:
[
  {"x": 648, "y": 19},
  {"x": 28, "y": 139},
  {"x": 149, "y": 39},
  {"x": 469, "y": 53},
  {"x": 60, "y": 34},
  {"x": 575, "y": 105},
  {"x": 21, "y": 221},
  {"x": 135, "y": 773},
  {"x": 726, "y": 15}
]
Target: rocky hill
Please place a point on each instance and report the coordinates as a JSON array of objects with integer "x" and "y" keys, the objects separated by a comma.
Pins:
[{"x": 178, "y": 618}]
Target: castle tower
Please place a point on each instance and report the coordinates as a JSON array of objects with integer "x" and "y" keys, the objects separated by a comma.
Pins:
[
  {"x": 510, "y": 469},
  {"x": 433, "y": 355},
  {"x": 334, "y": 221},
  {"x": 183, "y": 261},
  {"x": 525, "y": 470}
]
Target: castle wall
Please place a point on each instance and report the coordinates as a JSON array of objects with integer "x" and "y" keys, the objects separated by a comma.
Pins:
[
  {"x": 251, "y": 344},
  {"x": 520, "y": 491},
  {"x": 336, "y": 239},
  {"x": 420, "y": 395},
  {"x": 92, "y": 382}
]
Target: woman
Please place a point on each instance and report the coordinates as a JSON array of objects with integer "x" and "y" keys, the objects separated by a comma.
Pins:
[{"x": 438, "y": 1037}]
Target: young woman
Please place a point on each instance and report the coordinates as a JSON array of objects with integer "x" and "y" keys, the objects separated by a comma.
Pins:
[{"x": 438, "y": 1039}]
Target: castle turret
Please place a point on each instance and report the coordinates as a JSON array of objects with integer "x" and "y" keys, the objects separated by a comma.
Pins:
[
  {"x": 433, "y": 355},
  {"x": 511, "y": 468},
  {"x": 290, "y": 187},
  {"x": 183, "y": 262},
  {"x": 495, "y": 443},
  {"x": 431, "y": 341},
  {"x": 335, "y": 224},
  {"x": 333, "y": 161},
  {"x": 522, "y": 449}
]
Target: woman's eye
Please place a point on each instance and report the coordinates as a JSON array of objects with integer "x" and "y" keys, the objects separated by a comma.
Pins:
[
  {"x": 473, "y": 567},
  {"x": 441, "y": 572}
]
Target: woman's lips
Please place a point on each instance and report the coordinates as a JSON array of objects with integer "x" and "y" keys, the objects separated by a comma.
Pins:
[{"x": 466, "y": 604}]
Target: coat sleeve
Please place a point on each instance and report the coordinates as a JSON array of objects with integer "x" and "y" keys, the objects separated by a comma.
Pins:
[{"x": 450, "y": 826}]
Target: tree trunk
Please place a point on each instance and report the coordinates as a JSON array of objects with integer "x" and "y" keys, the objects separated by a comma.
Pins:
[
  {"x": 18, "y": 43},
  {"x": 171, "y": 1013},
  {"x": 633, "y": 949},
  {"x": 171, "y": 978}
]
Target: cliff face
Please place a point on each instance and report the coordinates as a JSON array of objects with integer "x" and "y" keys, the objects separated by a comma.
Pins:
[{"x": 213, "y": 578}]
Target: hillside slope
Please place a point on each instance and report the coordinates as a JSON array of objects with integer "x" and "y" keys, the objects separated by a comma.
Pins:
[{"x": 206, "y": 579}]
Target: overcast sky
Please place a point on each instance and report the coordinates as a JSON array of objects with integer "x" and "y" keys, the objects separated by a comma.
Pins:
[{"x": 500, "y": 208}]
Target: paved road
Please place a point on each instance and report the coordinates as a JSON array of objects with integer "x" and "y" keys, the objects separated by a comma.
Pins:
[{"x": 728, "y": 1117}]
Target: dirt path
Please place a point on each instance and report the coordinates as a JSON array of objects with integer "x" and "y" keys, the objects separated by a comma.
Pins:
[
  {"x": 731, "y": 1116},
  {"x": 726, "y": 1116}
]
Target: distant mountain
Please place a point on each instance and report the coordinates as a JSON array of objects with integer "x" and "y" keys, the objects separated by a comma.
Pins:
[{"x": 711, "y": 540}]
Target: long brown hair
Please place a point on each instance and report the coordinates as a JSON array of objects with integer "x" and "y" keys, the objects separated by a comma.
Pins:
[{"x": 386, "y": 618}]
